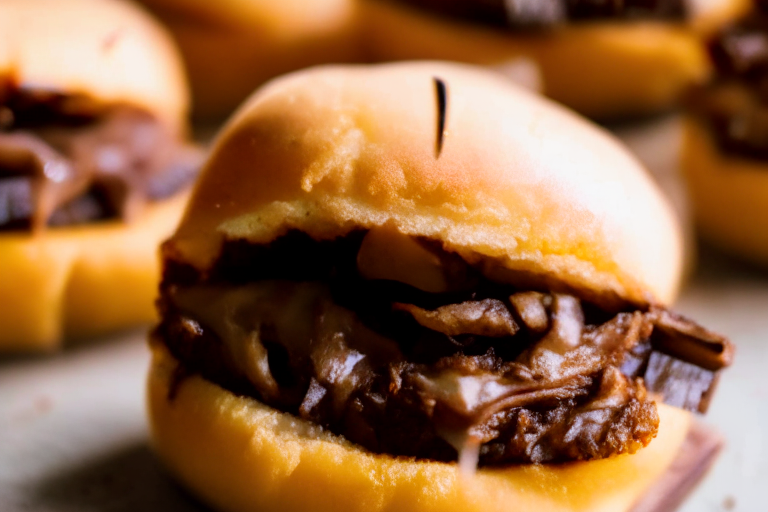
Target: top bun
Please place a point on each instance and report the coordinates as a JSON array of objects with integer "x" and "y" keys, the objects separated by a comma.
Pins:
[
  {"x": 109, "y": 50},
  {"x": 260, "y": 39},
  {"x": 286, "y": 17},
  {"x": 708, "y": 16},
  {"x": 532, "y": 193}
]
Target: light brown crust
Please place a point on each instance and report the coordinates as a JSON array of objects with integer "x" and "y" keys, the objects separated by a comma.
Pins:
[
  {"x": 239, "y": 455},
  {"x": 522, "y": 187},
  {"x": 261, "y": 39},
  {"x": 729, "y": 194},
  {"x": 109, "y": 50},
  {"x": 83, "y": 280},
  {"x": 601, "y": 69}
]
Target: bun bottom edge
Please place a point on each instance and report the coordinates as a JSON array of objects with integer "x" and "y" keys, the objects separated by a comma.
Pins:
[
  {"x": 237, "y": 454},
  {"x": 82, "y": 281}
]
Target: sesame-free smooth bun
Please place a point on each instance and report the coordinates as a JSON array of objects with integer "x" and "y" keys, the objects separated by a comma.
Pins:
[
  {"x": 111, "y": 51},
  {"x": 239, "y": 455},
  {"x": 729, "y": 194},
  {"x": 232, "y": 46},
  {"x": 526, "y": 190},
  {"x": 601, "y": 68}
]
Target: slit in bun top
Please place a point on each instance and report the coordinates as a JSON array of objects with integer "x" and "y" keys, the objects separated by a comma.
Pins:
[
  {"x": 604, "y": 58},
  {"x": 725, "y": 154},
  {"x": 385, "y": 270},
  {"x": 93, "y": 166}
]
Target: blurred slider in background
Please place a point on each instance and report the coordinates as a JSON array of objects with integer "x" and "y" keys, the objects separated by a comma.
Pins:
[
  {"x": 725, "y": 148},
  {"x": 232, "y": 46},
  {"x": 605, "y": 59},
  {"x": 94, "y": 166}
]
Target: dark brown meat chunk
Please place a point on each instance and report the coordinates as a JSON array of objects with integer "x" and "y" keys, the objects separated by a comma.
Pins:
[
  {"x": 680, "y": 383},
  {"x": 683, "y": 338},
  {"x": 538, "y": 14},
  {"x": 15, "y": 202},
  {"x": 618, "y": 419},
  {"x": 67, "y": 160},
  {"x": 535, "y": 13},
  {"x": 735, "y": 105},
  {"x": 627, "y": 9},
  {"x": 488, "y": 317}
]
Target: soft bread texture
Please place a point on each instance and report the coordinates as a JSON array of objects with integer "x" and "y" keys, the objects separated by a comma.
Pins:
[
  {"x": 530, "y": 192},
  {"x": 729, "y": 194},
  {"x": 232, "y": 46},
  {"x": 108, "y": 50},
  {"x": 601, "y": 69},
  {"x": 83, "y": 280},
  {"x": 239, "y": 455}
]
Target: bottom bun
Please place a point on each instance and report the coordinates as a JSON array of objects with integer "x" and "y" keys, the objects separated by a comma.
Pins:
[
  {"x": 81, "y": 281},
  {"x": 729, "y": 195},
  {"x": 239, "y": 455}
]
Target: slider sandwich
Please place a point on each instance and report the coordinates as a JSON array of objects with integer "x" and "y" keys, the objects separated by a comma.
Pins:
[
  {"x": 232, "y": 46},
  {"x": 604, "y": 58},
  {"x": 725, "y": 151},
  {"x": 416, "y": 287},
  {"x": 93, "y": 166}
]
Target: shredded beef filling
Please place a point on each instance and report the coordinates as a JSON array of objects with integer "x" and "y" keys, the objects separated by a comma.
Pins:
[
  {"x": 66, "y": 159},
  {"x": 539, "y": 14},
  {"x": 735, "y": 106},
  {"x": 518, "y": 375}
]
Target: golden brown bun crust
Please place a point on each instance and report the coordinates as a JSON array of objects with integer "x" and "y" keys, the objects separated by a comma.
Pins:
[
  {"x": 711, "y": 15},
  {"x": 110, "y": 50},
  {"x": 603, "y": 70},
  {"x": 239, "y": 455},
  {"x": 729, "y": 195},
  {"x": 232, "y": 46},
  {"x": 81, "y": 281},
  {"x": 536, "y": 194}
]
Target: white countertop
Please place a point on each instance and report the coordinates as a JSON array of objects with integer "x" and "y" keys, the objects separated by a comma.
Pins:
[{"x": 73, "y": 436}]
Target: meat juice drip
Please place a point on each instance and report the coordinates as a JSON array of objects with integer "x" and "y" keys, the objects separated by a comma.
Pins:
[
  {"x": 469, "y": 457},
  {"x": 467, "y": 447}
]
